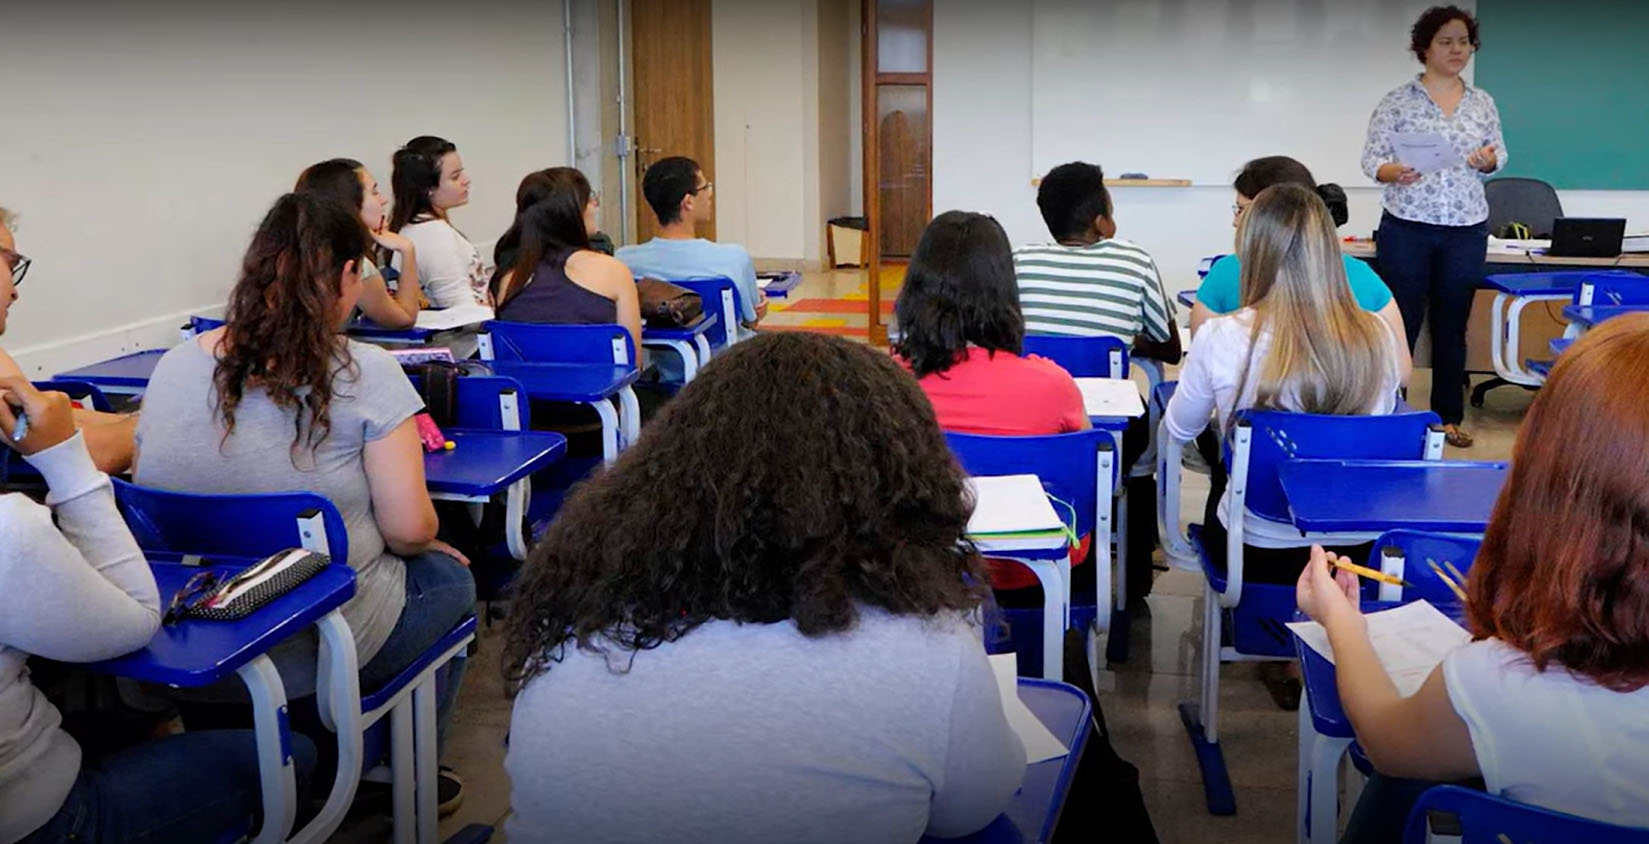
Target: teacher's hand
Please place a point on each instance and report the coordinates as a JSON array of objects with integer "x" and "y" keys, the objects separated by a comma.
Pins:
[
  {"x": 1400, "y": 174},
  {"x": 1483, "y": 159}
]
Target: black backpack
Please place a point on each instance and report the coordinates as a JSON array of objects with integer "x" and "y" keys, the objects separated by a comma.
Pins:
[{"x": 1104, "y": 801}]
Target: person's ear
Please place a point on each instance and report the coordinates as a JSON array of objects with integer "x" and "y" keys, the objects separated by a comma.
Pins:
[
  {"x": 1105, "y": 226},
  {"x": 351, "y": 270}
]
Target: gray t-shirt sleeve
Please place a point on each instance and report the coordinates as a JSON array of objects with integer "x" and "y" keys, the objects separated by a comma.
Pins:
[
  {"x": 383, "y": 395},
  {"x": 985, "y": 761}
]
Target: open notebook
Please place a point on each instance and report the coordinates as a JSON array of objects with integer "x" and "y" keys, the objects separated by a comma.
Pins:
[
  {"x": 1010, "y": 509},
  {"x": 1410, "y": 641}
]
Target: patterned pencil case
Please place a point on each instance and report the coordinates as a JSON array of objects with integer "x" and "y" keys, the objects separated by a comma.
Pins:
[{"x": 244, "y": 593}]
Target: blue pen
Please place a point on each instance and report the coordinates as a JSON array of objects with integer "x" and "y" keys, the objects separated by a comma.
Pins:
[{"x": 22, "y": 429}]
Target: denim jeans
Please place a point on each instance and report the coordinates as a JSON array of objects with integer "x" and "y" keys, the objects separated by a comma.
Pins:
[
  {"x": 1436, "y": 269},
  {"x": 193, "y": 787},
  {"x": 440, "y": 593}
]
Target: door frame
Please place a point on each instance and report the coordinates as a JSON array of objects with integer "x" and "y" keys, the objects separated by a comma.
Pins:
[{"x": 869, "y": 78}]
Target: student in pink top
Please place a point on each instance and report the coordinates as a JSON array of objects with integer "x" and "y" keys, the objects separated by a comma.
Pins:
[{"x": 962, "y": 335}]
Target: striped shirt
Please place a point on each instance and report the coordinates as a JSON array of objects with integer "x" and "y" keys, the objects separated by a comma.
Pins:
[{"x": 1110, "y": 288}]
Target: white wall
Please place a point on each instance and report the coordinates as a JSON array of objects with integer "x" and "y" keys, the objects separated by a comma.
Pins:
[
  {"x": 765, "y": 65},
  {"x": 142, "y": 142},
  {"x": 982, "y": 151}
]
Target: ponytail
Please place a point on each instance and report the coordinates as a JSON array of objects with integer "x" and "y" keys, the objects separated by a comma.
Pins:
[{"x": 1334, "y": 197}]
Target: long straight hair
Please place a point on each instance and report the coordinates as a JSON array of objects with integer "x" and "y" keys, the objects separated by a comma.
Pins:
[
  {"x": 959, "y": 289},
  {"x": 1327, "y": 354},
  {"x": 549, "y": 218}
]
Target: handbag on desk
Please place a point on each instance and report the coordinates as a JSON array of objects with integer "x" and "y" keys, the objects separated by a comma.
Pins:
[{"x": 666, "y": 305}]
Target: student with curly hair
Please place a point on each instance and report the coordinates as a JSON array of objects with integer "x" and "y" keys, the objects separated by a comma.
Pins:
[
  {"x": 736, "y": 640},
  {"x": 1548, "y": 704}
]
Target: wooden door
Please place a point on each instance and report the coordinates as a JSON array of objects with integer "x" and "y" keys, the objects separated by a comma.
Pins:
[
  {"x": 896, "y": 71},
  {"x": 670, "y": 57}
]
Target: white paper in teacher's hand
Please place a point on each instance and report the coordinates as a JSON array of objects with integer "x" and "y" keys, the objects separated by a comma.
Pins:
[{"x": 1426, "y": 152}]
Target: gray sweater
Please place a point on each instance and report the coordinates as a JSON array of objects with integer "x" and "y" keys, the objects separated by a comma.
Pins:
[
  {"x": 754, "y": 734},
  {"x": 76, "y": 591}
]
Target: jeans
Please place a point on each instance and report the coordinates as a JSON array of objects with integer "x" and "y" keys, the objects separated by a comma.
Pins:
[
  {"x": 181, "y": 789},
  {"x": 440, "y": 593},
  {"x": 1436, "y": 268}
]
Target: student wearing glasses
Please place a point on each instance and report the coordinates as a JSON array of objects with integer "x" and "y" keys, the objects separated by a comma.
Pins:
[
  {"x": 681, "y": 198},
  {"x": 109, "y": 436},
  {"x": 74, "y": 587}
]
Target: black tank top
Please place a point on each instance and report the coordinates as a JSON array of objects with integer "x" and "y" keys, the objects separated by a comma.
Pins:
[{"x": 551, "y": 297}]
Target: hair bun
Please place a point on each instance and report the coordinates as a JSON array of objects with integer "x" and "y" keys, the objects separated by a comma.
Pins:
[{"x": 1334, "y": 197}]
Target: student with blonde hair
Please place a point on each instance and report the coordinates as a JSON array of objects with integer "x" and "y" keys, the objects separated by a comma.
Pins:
[{"x": 1300, "y": 342}]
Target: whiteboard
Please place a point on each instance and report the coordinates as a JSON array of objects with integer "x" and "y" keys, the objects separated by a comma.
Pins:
[{"x": 1191, "y": 89}]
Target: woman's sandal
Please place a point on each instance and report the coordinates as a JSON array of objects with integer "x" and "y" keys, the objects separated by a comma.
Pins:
[{"x": 1453, "y": 435}]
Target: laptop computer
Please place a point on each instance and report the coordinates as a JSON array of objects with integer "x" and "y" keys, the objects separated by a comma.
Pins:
[{"x": 1587, "y": 237}]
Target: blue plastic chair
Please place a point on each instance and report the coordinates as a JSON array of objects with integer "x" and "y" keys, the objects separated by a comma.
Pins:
[
  {"x": 1486, "y": 819},
  {"x": 1083, "y": 357},
  {"x": 14, "y": 470},
  {"x": 486, "y": 402},
  {"x": 1207, "y": 264},
  {"x": 87, "y": 394},
  {"x": 1612, "y": 290},
  {"x": 1078, "y": 469},
  {"x": 1260, "y": 442},
  {"x": 1326, "y": 737},
  {"x": 593, "y": 364},
  {"x": 723, "y": 304},
  {"x": 254, "y": 526}
]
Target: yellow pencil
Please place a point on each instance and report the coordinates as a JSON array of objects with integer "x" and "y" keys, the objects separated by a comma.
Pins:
[
  {"x": 1371, "y": 574},
  {"x": 1448, "y": 581}
]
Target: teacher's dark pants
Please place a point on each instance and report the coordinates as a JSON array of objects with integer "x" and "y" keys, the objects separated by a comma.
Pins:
[{"x": 1436, "y": 269}]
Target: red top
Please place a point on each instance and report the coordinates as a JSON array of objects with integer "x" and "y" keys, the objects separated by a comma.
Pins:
[{"x": 1003, "y": 394}]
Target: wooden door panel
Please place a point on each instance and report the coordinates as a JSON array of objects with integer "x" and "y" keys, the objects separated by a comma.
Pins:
[{"x": 670, "y": 52}]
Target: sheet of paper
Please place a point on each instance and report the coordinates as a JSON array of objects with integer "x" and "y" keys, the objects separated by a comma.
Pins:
[
  {"x": 1110, "y": 397},
  {"x": 1040, "y": 744},
  {"x": 1519, "y": 247},
  {"x": 454, "y": 317},
  {"x": 1409, "y": 641},
  {"x": 1010, "y": 504},
  {"x": 1427, "y": 152}
]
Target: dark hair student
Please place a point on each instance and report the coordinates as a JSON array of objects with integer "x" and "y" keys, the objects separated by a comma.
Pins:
[
  {"x": 1071, "y": 197},
  {"x": 549, "y": 217},
  {"x": 666, "y": 183},
  {"x": 1261, "y": 173},
  {"x": 959, "y": 290},
  {"x": 831, "y": 559},
  {"x": 415, "y": 177}
]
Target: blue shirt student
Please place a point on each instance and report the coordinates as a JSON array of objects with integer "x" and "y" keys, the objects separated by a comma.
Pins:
[
  {"x": 675, "y": 260},
  {"x": 1221, "y": 290}
]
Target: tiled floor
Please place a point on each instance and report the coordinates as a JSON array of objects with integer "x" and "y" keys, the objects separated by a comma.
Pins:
[{"x": 1259, "y": 740}]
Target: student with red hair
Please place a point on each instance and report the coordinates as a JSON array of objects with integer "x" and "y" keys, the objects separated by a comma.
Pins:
[{"x": 1549, "y": 704}]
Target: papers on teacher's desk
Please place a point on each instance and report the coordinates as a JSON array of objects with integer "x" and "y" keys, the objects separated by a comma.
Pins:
[
  {"x": 457, "y": 316},
  {"x": 1110, "y": 397},
  {"x": 1040, "y": 744},
  {"x": 1426, "y": 152},
  {"x": 1409, "y": 641}
]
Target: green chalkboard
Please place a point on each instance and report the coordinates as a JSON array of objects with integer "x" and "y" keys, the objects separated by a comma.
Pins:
[{"x": 1572, "y": 82}]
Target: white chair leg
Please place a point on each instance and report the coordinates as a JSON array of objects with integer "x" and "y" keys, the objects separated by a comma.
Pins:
[
  {"x": 1324, "y": 787},
  {"x": 426, "y": 765},
  {"x": 515, "y": 517},
  {"x": 403, "y": 785},
  {"x": 609, "y": 429},
  {"x": 629, "y": 416},
  {"x": 275, "y": 772},
  {"x": 1121, "y": 591},
  {"x": 1056, "y": 615},
  {"x": 703, "y": 344},
  {"x": 1208, "y": 709}
]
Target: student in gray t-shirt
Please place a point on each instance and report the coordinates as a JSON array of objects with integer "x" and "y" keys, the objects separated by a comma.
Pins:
[
  {"x": 309, "y": 410},
  {"x": 731, "y": 640}
]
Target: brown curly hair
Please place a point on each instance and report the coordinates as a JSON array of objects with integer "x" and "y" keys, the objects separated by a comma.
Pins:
[
  {"x": 796, "y": 478},
  {"x": 281, "y": 333}
]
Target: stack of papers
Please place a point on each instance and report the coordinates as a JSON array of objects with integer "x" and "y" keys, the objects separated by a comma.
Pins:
[
  {"x": 1012, "y": 512},
  {"x": 1518, "y": 247},
  {"x": 457, "y": 316},
  {"x": 1409, "y": 641},
  {"x": 1040, "y": 744},
  {"x": 1635, "y": 243},
  {"x": 1110, "y": 397}
]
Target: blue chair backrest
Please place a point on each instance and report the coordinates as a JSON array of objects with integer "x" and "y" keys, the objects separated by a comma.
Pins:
[
  {"x": 1083, "y": 357},
  {"x": 1416, "y": 547},
  {"x": 1063, "y": 462},
  {"x": 230, "y": 525},
  {"x": 608, "y": 343},
  {"x": 722, "y": 303},
  {"x": 87, "y": 394},
  {"x": 201, "y": 325},
  {"x": 1486, "y": 819},
  {"x": 1207, "y": 264},
  {"x": 1280, "y": 436},
  {"x": 484, "y": 400},
  {"x": 1610, "y": 289}
]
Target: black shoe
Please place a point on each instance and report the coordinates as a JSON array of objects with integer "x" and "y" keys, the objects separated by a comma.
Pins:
[{"x": 1284, "y": 688}]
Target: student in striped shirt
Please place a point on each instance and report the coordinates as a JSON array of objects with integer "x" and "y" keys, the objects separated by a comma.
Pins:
[{"x": 1089, "y": 283}]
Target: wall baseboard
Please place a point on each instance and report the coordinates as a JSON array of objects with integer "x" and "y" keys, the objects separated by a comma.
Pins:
[{"x": 44, "y": 360}]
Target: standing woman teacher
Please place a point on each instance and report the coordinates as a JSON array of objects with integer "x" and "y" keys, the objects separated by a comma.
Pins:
[{"x": 1434, "y": 233}]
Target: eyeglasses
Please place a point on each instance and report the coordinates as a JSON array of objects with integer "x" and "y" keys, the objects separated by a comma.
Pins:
[
  {"x": 704, "y": 187},
  {"x": 19, "y": 265},
  {"x": 194, "y": 593}
]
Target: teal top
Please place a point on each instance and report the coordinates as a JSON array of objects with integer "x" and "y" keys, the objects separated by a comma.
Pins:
[{"x": 1221, "y": 289}]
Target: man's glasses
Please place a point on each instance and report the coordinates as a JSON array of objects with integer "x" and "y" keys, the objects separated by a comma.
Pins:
[
  {"x": 704, "y": 187},
  {"x": 19, "y": 265}
]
